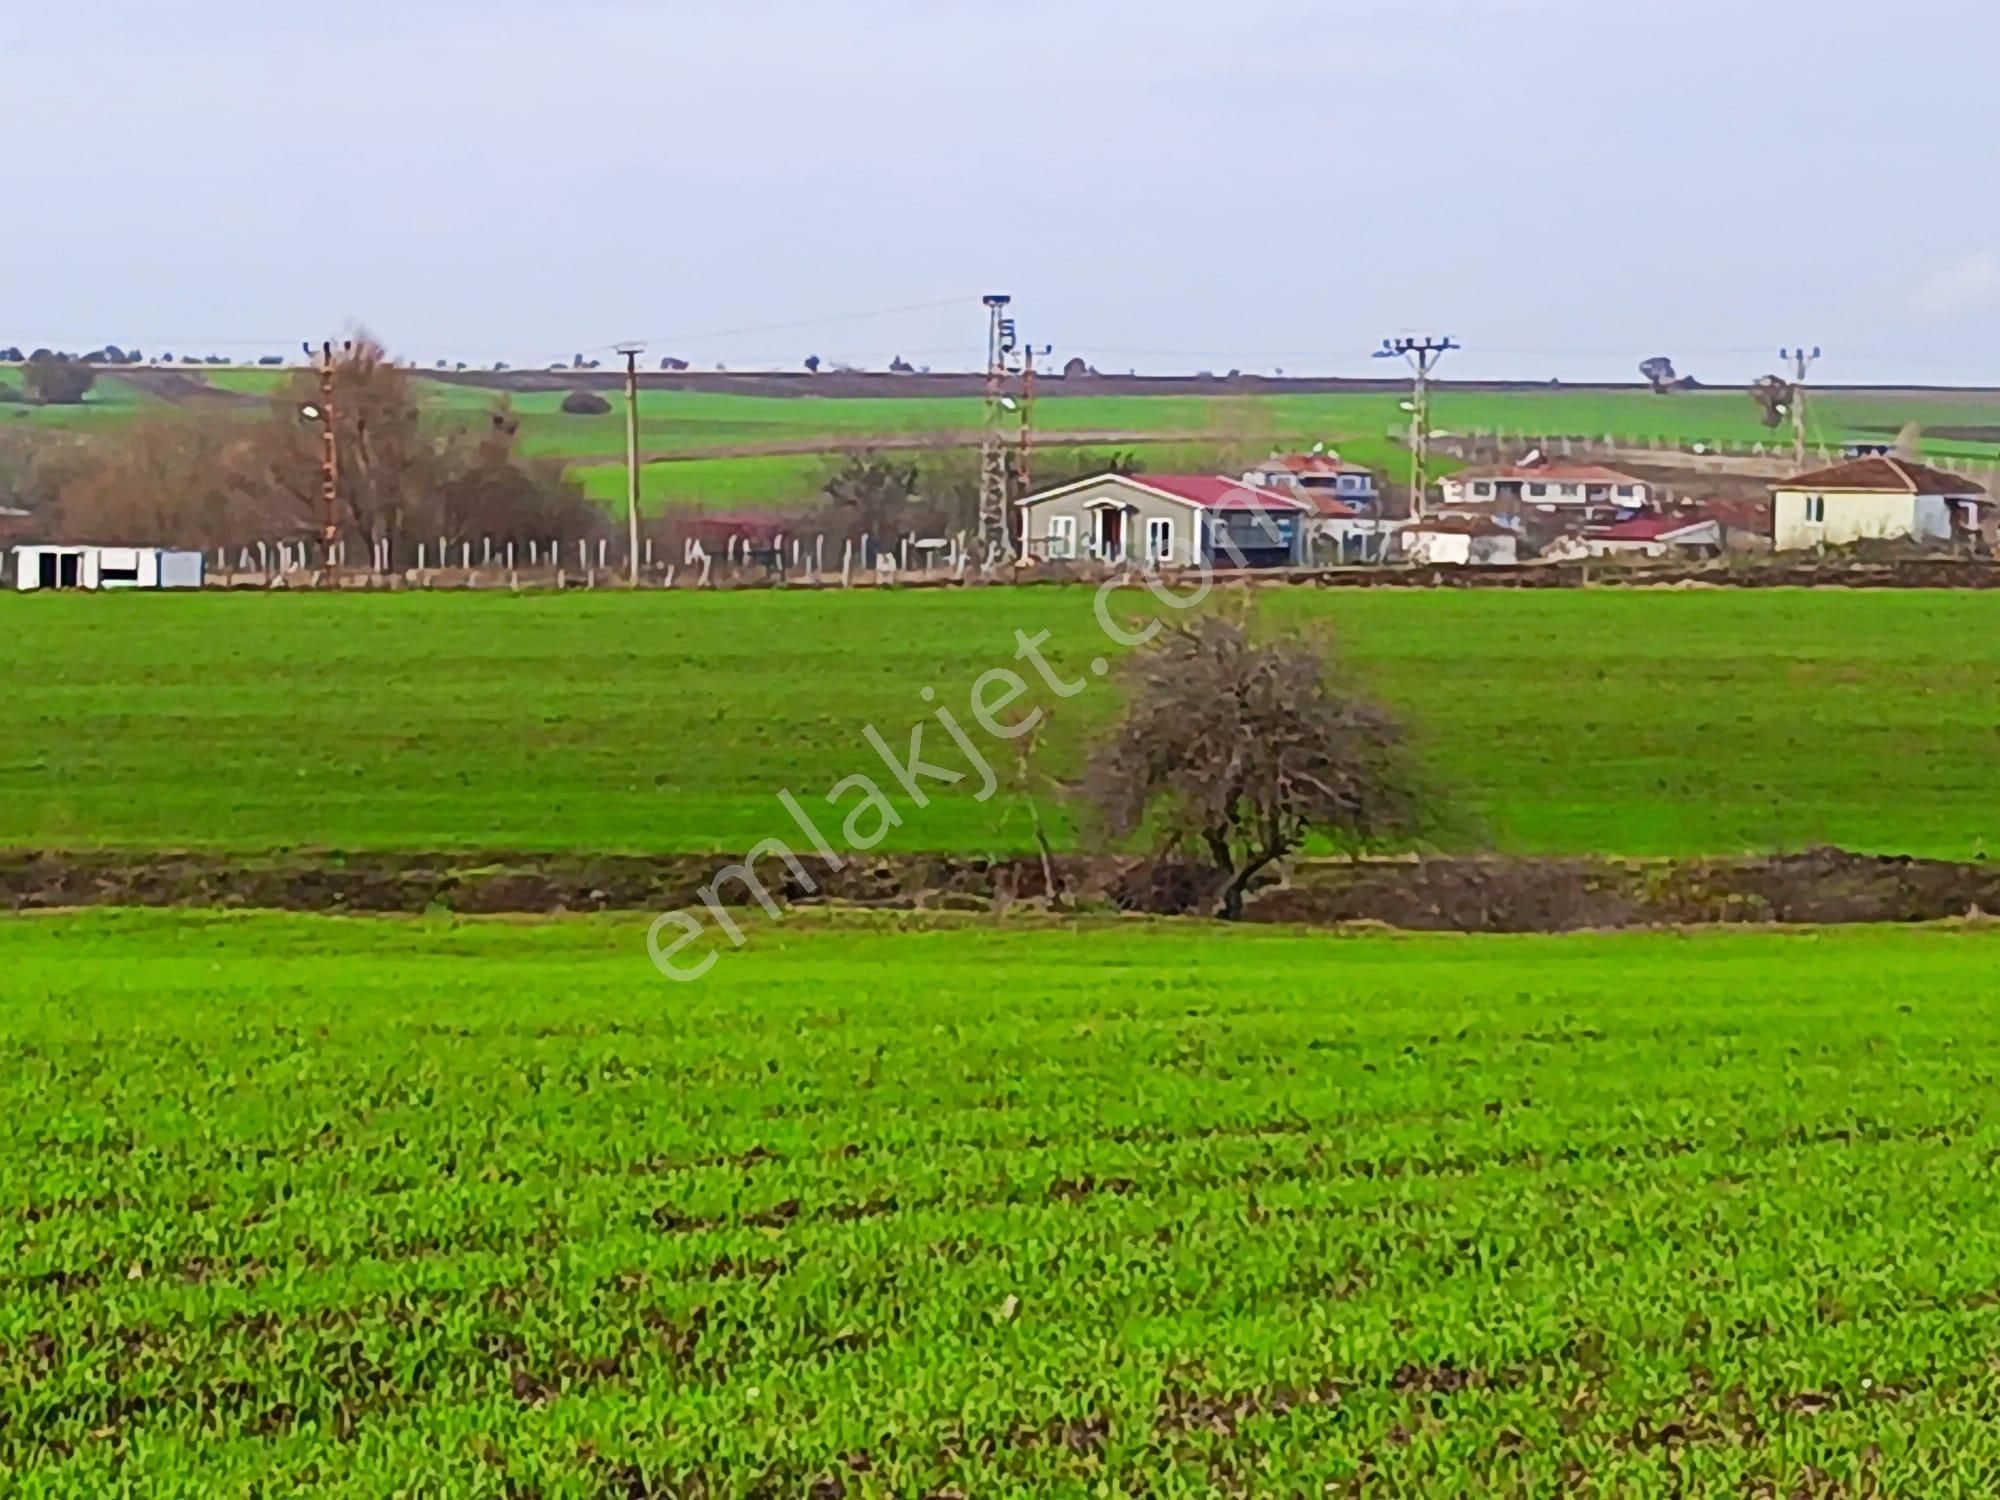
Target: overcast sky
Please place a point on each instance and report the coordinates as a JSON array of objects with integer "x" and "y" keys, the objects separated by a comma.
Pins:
[{"x": 1564, "y": 185}]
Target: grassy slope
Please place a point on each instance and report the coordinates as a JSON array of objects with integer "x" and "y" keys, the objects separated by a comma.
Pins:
[
  {"x": 1562, "y": 721},
  {"x": 337, "y": 1204}
]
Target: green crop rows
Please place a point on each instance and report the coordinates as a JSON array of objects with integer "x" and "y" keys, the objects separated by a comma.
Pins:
[
  {"x": 894, "y": 1208},
  {"x": 1571, "y": 722}
]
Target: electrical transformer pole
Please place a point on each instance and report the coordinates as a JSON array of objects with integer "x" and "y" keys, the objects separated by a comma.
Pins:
[{"x": 1423, "y": 355}]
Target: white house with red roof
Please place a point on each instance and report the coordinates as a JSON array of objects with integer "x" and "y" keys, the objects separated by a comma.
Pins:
[
  {"x": 1181, "y": 520},
  {"x": 1873, "y": 498}
]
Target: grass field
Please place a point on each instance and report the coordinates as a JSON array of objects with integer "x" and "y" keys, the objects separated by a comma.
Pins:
[
  {"x": 888, "y": 1208},
  {"x": 1562, "y": 721},
  {"x": 677, "y": 421}
]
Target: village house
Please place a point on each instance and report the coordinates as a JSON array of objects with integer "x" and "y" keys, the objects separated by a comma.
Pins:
[
  {"x": 1873, "y": 498},
  {"x": 1584, "y": 491},
  {"x": 1470, "y": 541},
  {"x": 1171, "y": 519},
  {"x": 1319, "y": 474}
]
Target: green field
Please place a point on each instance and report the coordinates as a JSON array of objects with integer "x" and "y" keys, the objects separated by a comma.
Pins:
[
  {"x": 683, "y": 421},
  {"x": 1654, "y": 722},
  {"x": 891, "y": 1208}
]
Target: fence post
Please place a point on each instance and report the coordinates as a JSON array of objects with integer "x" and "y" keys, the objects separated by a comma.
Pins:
[{"x": 847, "y": 564}]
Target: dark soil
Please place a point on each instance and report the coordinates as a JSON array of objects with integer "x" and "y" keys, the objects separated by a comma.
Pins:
[{"x": 1461, "y": 894}]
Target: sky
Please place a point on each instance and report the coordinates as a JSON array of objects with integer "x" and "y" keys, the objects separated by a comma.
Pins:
[{"x": 1564, "y": 186}]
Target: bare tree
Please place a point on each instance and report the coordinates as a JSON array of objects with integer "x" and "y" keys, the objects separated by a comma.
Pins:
[{"x": 1237, "y": 750}]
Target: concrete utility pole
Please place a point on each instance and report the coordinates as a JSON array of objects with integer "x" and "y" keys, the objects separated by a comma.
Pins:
[
  {"x": 1423, "y": 355},
  {"x": 632, "y": 353},
  {"x": 329, "y": 450},
  {"x": 1024, "y": 467},
  {"x": 1801, "y": 361},
  {"x": 996, "y": 526}
]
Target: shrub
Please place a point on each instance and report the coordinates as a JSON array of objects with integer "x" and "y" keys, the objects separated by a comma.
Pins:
[{"x": 585, "y": 404}]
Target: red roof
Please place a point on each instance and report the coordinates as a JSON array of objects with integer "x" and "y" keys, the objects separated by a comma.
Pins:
[
  {"x": 1881, "y": 473},
  {"x": 1646, "y": 528},
  {"x": 1217, "y": 492},
  {"x": 1463, "y": 526},
  {"x": 1313, "y": 463},
  {"x": 1558, "y": 473}
]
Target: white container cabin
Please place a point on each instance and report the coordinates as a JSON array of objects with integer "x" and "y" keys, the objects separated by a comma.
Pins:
[{"x": 49, "y": 566}]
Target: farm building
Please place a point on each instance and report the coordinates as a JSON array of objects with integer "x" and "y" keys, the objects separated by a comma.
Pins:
[
  {"x": 1571, "y": 489},
  {"x": 1641, "y": 536},
  {"x": 1186, "y": 519},
  {"x": 81, "y": 567},
  {"x": 1318, "y": 475},
  {"x": 1476, "y": 541},
  {"x": 1876, "y": 497}
]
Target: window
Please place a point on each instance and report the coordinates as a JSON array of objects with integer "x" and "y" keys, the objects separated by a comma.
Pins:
[
  {"x": 1483, "y": 488},
  {"x": 1062, "y": 536},
  {"x": 1628, "y": 492},
  {"x": 1815, "y": 510},
  {"x": 1159, "y": 539},
  {"x": 1536, "y": 491}
]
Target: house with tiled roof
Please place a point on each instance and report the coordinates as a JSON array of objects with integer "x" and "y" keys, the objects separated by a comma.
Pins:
[
  {"x": 1873, "y": 498},
  {"x": 1321, "y": 474},
  {"x": 1185, "y": 520}
]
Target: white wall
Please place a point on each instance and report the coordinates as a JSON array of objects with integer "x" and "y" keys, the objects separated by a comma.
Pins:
[{"x": 1854, "y": 516}]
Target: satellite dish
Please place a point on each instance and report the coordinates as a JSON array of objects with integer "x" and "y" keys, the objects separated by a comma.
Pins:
[
  {"x": 1534, "y": 456},
  {"x": 1319, "y": 447}
]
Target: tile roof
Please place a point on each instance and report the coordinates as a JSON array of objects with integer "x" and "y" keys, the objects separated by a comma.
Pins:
[
  {"x": 1647, "y": 528},
  {"x": 1312, "y": 463},
  {"x": 1217, "y": 492},
  {"x": 1467, "y": 526},
  {"x": 1881, "y": 473}
]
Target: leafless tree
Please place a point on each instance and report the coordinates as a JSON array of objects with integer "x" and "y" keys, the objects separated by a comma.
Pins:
[{"x": 1236, "y": 750}]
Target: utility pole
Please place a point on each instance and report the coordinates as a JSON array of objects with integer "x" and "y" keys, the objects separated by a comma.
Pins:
[
  {"x": 996, "y": 526},
  {"x": 1800, "y": 361},
  {"x": 329, "y": 452},
  {"x": 1423, "y": 355},
  {"x": 631, "y": 353},
  {"x": 1024, "y": 467}
]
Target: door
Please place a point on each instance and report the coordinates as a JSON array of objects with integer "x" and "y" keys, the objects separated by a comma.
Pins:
[
  {"x": 69, "y": 570},
  {"x": 1111, "y": 534},
  {"x": 45, "y": 572}
]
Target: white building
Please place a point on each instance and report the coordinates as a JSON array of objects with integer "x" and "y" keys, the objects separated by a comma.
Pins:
[
  {"x": 83, "y": 567},
  {"x": 1474, "y": 542},
  {"x": 1554, "y": 488},
  {"x": 1874, "y": 498}
]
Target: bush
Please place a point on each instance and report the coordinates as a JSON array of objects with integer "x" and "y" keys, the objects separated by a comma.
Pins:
[
  {"x": 585, "y": 404},
  {"x": 58, "y": 380}
]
